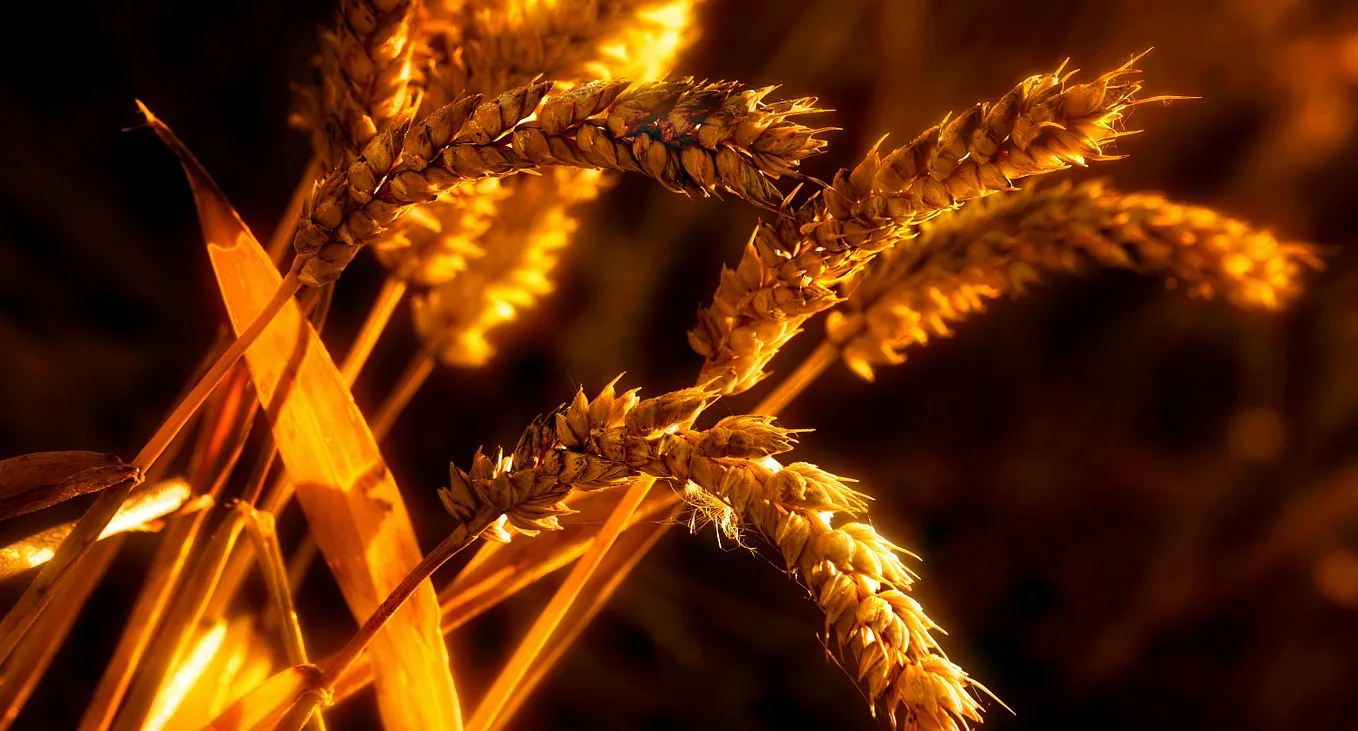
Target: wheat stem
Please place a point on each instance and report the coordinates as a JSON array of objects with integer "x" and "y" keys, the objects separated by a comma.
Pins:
[
  {"x": 186, "y": 408},
  {"x": 806, "y": 373},
  {"x": 498, "y": 697},
  {"x": 393, "y": 290},
  {"x": 260, "y": 527},
  {"x": 459, "y": 539},
  {"x": 421, "y": 366},
  {"x": 50, "y": 632}
]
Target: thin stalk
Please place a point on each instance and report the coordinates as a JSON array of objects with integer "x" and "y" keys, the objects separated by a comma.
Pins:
[
  {"x": 49, "y": 633},
  {"x": 260, "y": 527},
  {"x": 414, "y": 376},
  {"x": 510, "y": 681},
  {"x": 497, "y": 698},
  {"x": 393, "y": 290},
  {"x": 468, "y": 603},
  {"x": 161, "y": 579},
  {"x": 172, "y": 640},
  {"x": 639, "y": 539},
  {"x": 186, "y": 408},
  {"x": 806, "y": 373},
  {"x": 177, "y": 545},
  {"x": 460, "y": 538}
]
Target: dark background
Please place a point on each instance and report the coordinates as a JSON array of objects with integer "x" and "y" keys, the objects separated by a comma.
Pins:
[{"x": 1134, "y": 509}]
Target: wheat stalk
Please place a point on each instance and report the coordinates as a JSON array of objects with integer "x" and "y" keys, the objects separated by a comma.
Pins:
[
  {"x": 999, "y": 246},
  {"x": 692, "y": 137}
]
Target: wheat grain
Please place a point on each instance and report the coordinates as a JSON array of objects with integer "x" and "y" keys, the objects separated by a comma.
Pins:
[
  {"x": 789, "y": 268},
  {"x": 692, "y": 137},
  {"x": 363, "y": 71},
  {"x": 998, "y": 246}
]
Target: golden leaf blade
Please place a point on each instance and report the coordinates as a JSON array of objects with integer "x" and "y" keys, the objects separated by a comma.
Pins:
[{"x": 350, "y": 499}]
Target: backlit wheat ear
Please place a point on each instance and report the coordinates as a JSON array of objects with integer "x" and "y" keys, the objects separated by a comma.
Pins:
[
  {"x": 363, "y": 72},
  {"x": 512, "y": 271},
  {"x": 997, "y": 246},
  {"x": 853, "y": 574},
  {"x": 488, "y": 47},
  {"x": 692, "y": 137},
  {"x": 789, "y": 268}
]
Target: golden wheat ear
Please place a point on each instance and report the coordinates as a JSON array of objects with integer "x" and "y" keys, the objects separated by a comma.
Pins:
[{"x": 1000, "y": 245}]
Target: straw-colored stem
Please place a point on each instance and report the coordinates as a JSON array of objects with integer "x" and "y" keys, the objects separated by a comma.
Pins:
[
  {"x": 393, "y": 289},
  {"x": 598, "y": 592},
  {"x": 161, "y": 580},
  {"x": 260, "y": 527},
  {"x": 497, "y": 698},
  {"x": 299, "y": 564},
  {"x": 791, "y": 387},
  {"x": 49, "y": 633},
  {"x": 411, "y": 380},
  {"x": 187, "y": 613},
  {"x": 186, "y": 408},
  {"x": 68, "y": 555},
  {"x": 459, "y": 539}
]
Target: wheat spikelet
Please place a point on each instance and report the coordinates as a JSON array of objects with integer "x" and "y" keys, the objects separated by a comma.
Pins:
[
  {"x": 692, "y": 137},
  {"x": 789, "y": 268},
  {"x": 853, "y": 574},
  {"x": 363, "y": 72},
  {"x": 999, "y": 245}
]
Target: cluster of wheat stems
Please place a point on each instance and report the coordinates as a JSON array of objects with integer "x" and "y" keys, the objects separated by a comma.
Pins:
[{"x": 457, "y": 139}]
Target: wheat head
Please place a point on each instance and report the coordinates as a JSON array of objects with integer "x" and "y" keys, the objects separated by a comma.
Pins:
[
  {"x": 692, "y": 137},
  {"x": 999, "y": 245},
  {"x": 790, "y": 267}
]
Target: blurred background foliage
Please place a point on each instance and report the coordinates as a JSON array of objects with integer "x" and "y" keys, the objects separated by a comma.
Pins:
[{"x": 1134, "y": 509}]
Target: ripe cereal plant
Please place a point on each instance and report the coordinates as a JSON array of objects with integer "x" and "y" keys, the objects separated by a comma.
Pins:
[{"x": 460, "y": 141}]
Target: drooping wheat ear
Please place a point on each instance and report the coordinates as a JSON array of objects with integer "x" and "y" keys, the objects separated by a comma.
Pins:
[
  {"x": 789, "y": 268},
  {"x": 692, "y": 137},
  {"x": 363, "y": 73},
  {"x": 852, "y": 573},
  {"x": 512, "y": 272},
  {"x": 998, "y": 246}
]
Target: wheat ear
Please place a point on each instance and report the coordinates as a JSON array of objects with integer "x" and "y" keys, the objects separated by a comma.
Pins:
[
  {"x": 790, "y": 266},
  {"x": 853, "y": 574},
  {"x": 998, "y": 246},
  {"x": 692, "y": 137},
  {"x": 363, "y": 71}
]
